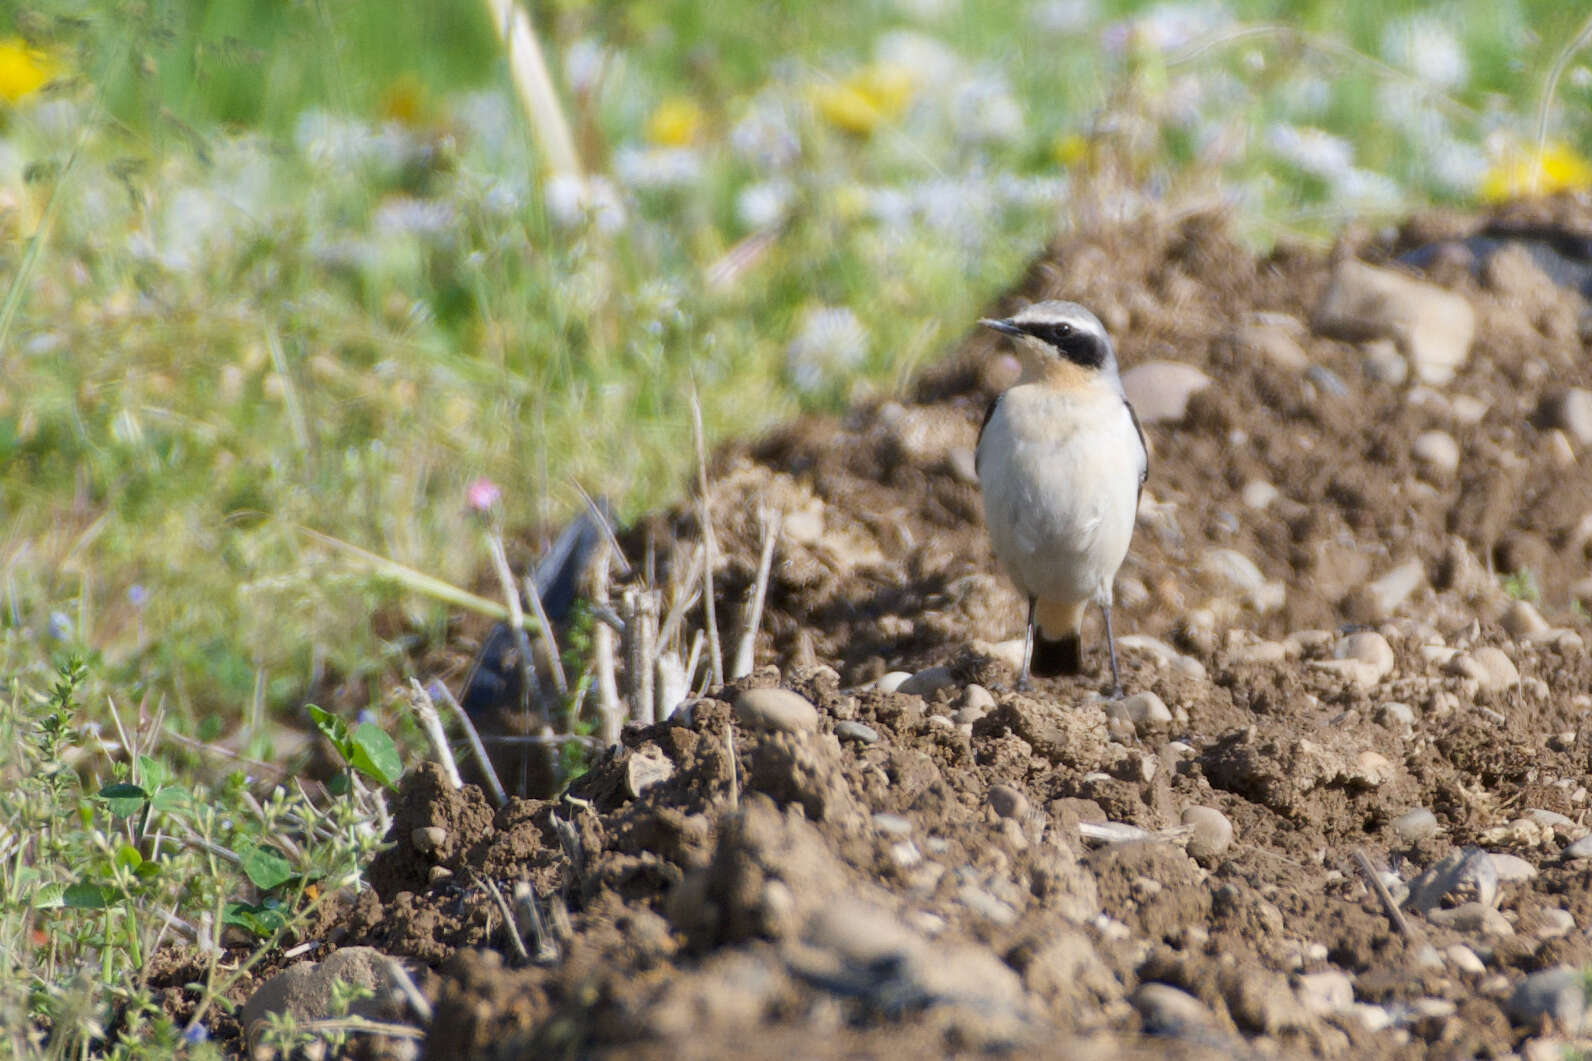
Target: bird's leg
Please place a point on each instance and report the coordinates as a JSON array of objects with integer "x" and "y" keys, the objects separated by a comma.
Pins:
[
  {"x": 1023, "y": 685},
  {"x": 1111, "y": 649}
]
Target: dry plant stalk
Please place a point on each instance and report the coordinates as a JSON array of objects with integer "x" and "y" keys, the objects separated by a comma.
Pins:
[
  {"x": 477, "y": 748},
  {"x": 610, "y": 715},
  {"x": 528, "y": 917},
  {"x": 705, "y": 506},
  {"x": 545, "y": 628},
  {"x": 426, "y": 712},
  {"x": 640, "y": 610},
  {"x": 509, "y": 920},
  {"x": 745, "y": 651},
  {"x": 534, "y": 87}
]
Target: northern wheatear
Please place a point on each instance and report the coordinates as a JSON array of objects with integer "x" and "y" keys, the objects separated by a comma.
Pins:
[{"x": 1061, "y": 463}]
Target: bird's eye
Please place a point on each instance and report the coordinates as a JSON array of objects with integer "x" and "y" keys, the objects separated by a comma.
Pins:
[{"x": 1063, "y": 330}]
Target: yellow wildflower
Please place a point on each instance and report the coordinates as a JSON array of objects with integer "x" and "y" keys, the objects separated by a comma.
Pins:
[
  {"x": 23, "y": 70},
  {"x": 404, "y": 101},
  {"x": 1070, "y": 150},
  {"x": 1556, "y": 168},
  {"x": 870, "y": 96},
  {"x": 675, "y": 122}
]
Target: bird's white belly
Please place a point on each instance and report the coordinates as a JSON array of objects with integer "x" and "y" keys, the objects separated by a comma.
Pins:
[{"x": 1060, "y": 479}]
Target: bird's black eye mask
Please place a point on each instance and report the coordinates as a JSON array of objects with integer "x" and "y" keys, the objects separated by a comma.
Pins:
[{"x": 1079, "y": 347}]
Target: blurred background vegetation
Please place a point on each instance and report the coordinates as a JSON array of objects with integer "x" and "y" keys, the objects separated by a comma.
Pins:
[{"x": 282, "y": 265}]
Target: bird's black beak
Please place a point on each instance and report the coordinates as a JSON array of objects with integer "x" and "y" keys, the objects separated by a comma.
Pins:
[{"x": 1002, "y": 326}]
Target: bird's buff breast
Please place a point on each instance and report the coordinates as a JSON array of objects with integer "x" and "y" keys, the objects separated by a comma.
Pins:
[{"x": 1060, "y": 476}]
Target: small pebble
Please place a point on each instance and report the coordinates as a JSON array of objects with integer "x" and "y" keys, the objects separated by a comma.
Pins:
[
  {"x": 1167, "y": 1011},
  {"x": 1468, "y": 411},
  {"x": 1436, "y": 450},
  {"x": 1259, "y": 494},
  {"x": 1512, "y": 867},
  {"x": 892, "y": 681},
  {"x": 893, "y": 824},
  {"x": 1213, "y": 833},
  {"x": 777, "y": 710},
  {"x": 1145, "y": 710},
  {"x": 1464, "y": 959},
  {"x": 1570, "y": 411},
  {"x": 1160, "y": 390},
  {"x": 1368, "y": 647},
  {"x": 1554, "y": 922},
  {"x": 1559, "y": 994},
  {"x": 1579, "y": 849},
  {"x": 1472, "y": 917},
  {"x": 856, "y": 731},
  {"x": 1396, "y": 716},
  {"x": 976, "y": 697},
  {"x": 1414, "y": 826},
  {"x": 1008, "y": 802},
  {"x": 1326, "y": 992},
  {"x": 1394, "y": 588},
  {"x": 1521, "y": 619},
  {"x": 1383, "y": 362},
  {"x": 928, "y": 681},
  {"x": 428, "y": 838}
]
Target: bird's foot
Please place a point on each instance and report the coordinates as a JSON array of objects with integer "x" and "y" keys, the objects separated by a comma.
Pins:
[
  {"x": 1115, "y": 693},
  {"x": 1023, "y": 685}
]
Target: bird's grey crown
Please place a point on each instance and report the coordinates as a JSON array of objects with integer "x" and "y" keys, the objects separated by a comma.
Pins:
[{"x": 1067, "y": 327}]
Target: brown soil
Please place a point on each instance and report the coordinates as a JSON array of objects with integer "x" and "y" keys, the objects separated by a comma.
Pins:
[{"x": 812, "y": 896}]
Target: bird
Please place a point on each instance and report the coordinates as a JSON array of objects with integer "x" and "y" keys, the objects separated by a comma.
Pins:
[{"x": 1061, "y": 463}]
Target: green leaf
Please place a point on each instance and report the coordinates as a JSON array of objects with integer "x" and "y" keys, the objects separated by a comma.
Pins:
[
  {"x": 265, "y": 868},
  {"x": 50, "y": 896},
  {"x": 153, "y": 773},
  {"x": 127, "y": 855},
  {"x": 263, "y": 920},
  {"x": 86, "y": 895},
  {"x": 335, "y": 730},
  {"x": 375, "y": 755},
  {"x": 171, "y": 798},
  {"x": 124, "y": 799}
]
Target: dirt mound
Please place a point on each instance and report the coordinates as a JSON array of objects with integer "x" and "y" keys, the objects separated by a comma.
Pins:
[{"x": 1354, "y": 593}]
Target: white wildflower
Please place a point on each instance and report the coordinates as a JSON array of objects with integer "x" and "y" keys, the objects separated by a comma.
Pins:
[
  {"x": 766, "y": 136},
  {"x": 1315, "y": 151},
  {"x": 657, "y": 168},
  {"x": 1062, "y": 17},
  {"x": 1456, "y": 166},
  {"x": 332, "y": 141},
  {"x": 573, "y": 201},
  {"x": 430, "y": 220},
  {"x": 890, "y": 207},
  {"x": 1307, "y": 95},
  {"x": 830, "y": 343},
  {"x": 932, "y": 63},
  {"x": 1361, "y": 189},
  {"x": 585, "y": 62},
  {"x": 984, "y": 111},
  {"x": 1166, "y": 27},
  {"x": 1424, "y": 45},
  {"x": 487, "y": 120},
  {"x": 764, "y": 204}
]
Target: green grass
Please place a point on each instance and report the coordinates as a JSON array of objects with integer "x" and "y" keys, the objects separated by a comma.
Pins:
[{"x": 260, "y": 306}]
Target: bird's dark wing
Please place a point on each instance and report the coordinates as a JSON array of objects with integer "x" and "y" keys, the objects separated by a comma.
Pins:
[
  {"x": 989, "y": 414},
  {"x": 1145, "y": 474}
]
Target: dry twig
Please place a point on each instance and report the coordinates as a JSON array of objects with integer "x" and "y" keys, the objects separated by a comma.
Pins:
[
  {"x": 705, "y": 506},
  {"x": 494, "y": 786},
  {"x": 746, "y": 649},
  {"x": 426, "y": 712}
]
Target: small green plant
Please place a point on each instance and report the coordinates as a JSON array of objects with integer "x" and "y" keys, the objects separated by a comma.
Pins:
[
  {"x": 1522, "y": 585},
  {"x": 367, "y": 749}
]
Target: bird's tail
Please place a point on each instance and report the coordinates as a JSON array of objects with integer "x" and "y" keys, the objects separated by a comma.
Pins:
[{"x": 1058, "y": 641}]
